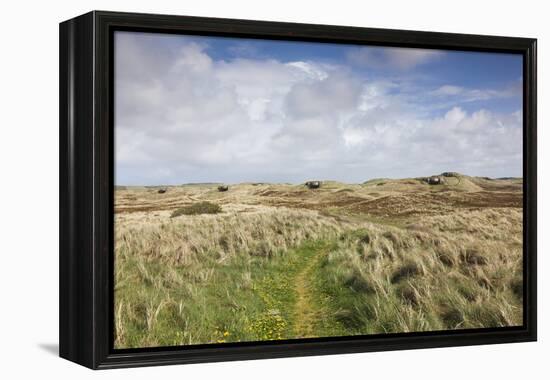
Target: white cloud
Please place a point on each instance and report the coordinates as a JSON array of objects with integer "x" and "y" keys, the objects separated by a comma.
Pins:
[
  {"x": 447, "y": 90},
  {"x": 479, "y": 143},
  {"x": 311, "y": 70},
  {"x": 455, "y": 115},
  {"x": 463, "y": 94},
  {"x": 334, "y": 94},
  {"x": 192, "y": 57},
  {"x": 396, "y": 58},
  {"x": 182, "y": 116}
]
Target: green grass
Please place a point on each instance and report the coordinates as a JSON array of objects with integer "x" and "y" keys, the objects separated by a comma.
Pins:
[
  {"x": 205, "y": 303},
  {"x": 284, "y": 274},
  {"x": 368, "y": 295},
  {"x": 248, "y": 299},
  {"x": 277, "y": 289}
]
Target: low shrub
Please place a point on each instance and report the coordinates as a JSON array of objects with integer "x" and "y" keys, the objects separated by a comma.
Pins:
[{"x": 197, "y": 208}]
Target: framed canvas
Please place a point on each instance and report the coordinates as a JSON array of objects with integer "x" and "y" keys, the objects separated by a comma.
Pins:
[{"x": 235, "y": 189}]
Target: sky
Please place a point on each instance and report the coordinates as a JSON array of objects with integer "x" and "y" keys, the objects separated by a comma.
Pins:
[{"x": 212, "y": 109}]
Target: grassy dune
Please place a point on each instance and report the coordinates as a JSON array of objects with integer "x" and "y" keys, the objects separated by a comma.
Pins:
[{"x": 278, "y": 261}]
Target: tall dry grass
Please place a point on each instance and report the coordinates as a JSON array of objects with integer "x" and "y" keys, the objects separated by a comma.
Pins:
[
  {"x": 197, "y": 279},
  {"x": 462, "y": 270},
  {"x": 183, "y": 280},
  {"x": 186, "y": 240}
]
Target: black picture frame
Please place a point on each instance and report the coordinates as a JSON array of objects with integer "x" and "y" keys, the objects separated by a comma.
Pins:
[{"x": 86, "y": 189}]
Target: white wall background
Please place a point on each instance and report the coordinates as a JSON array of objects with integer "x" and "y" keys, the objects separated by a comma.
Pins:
[{"x": 29, "y": 187}]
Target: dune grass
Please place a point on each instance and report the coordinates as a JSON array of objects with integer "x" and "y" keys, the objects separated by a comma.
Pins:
[
  {"x": 197, "y": 209},
  {"x": 259, "y": 270},
  {"x": 403, "y": 281},
  {"x": 207, "y": 279}
]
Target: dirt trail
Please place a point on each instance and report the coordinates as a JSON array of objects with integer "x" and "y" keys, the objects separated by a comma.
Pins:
[{"x": 306, "y": 312}]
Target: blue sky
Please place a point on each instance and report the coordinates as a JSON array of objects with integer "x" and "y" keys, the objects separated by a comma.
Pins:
[{"x": 211, "y": 109}]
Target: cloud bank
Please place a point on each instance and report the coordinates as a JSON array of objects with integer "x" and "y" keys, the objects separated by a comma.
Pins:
[{"x": 182, "y": 115}]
